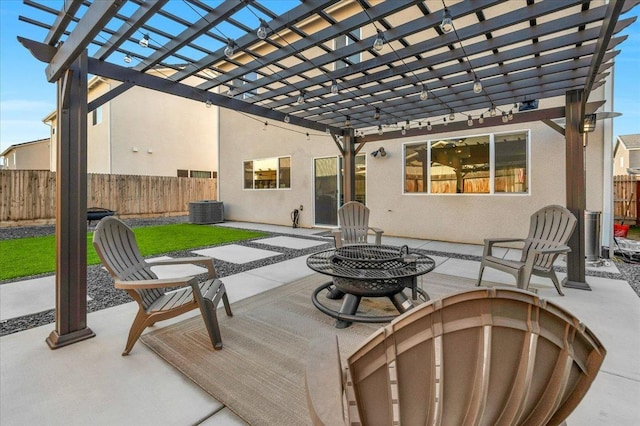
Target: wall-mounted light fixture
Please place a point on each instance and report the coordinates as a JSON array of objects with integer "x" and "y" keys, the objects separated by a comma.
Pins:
[{"x": 380, "y": 151}]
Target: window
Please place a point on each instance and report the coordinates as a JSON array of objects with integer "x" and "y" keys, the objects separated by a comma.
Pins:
[
  {"x": 183, "y": 173},
  {"x": 343, "y": 41},
  {"x": 200, "y": 174},
  {"x": 484, "y": 164},
  {"x": 97, "y": 116},
  {"x": 268, "y": 173}
]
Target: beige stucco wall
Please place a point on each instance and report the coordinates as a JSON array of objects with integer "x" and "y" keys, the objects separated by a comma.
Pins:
[
  {"x": 30, "y": 156},
  {"x": 465, "y": 218},
  {"x": 169, "y": 132}
]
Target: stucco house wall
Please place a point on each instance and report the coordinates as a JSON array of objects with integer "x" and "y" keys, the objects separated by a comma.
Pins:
[
  {"x": 465, "y": 218},
  {"x": 626, "y": 154},
  {"x": 144, "y": 132},
  {"x": 27, "y": 156}
]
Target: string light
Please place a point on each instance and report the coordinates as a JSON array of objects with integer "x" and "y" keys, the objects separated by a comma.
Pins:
[
  {"x": 477, "y": 86},
  {"x": 403, "y": 131},
  {"x": 265, "y": 126},
  {"x": 481, "y": 119},
  {"x": 492, "y": 111},
  {"x": 144, "y": 41},
  {"x": 452, "y": 116},
  {"x": 347, "y": 122},
  {"x": 286, "y": 118},
  {"x": 380, "y": 132},
  {"x": 308, "y": 137},
  {"x": 378, "y": 42},
  {"x": 408, "y": 124},
  {"x": 231, "y": 92},
  {"x": 444, "y": 120},
  {"x": 230, "y": 49},
  {"x": 208, "y": 103},
  {"x": 334, "y": 87},
  {"x": 263, "y": 31},
  {"x": 127, "y": 59},
  {"x": 423, "y": 94},
  {"x": 447, "y": 22},
  {"x": 505, "y": 118},
  {"x": 469, "y": 121},
  {"x": 419, "y": 124},
  {"x": 429, "y": 125},
  {"x": 510, "y": 115},
  {"x": 301, "y": 97}
]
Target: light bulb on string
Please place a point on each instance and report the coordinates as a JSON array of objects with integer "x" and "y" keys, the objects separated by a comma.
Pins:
[
  {"x": 265, "y": 126},
  {"x": 510, "y": 115},
  {"x": 380, "y": 132},
  {"x": 263, "y": 31},
  {"x": 481, "y": 119},
  {"x": 477, "y": 86},
  {"x": 492, "y": 111},
  {"x": 208, "y": 103},
  {"x": 286, "y": 118},
  {"x": 452, "y": 116},
  {"x": 347, "y": 122},
  {"x": 127, "y": 59},
  {"x": 301, "y": 97},
  {"x": 420, "y": 125},
  {"x": 423, "y": 94},
  {"x": 444, "y": 121},
  {"x": 429, "y": 127},
  {"x": 408, "y": 124},
  {"x": 469, "y": 121},
  {"x": 376, "y": 115},
  {"x": 447, "y": 22},
  {"x": 144, "y": 41},
  {"x": 505, "y": 118},
  {"x": 334, "y": 87},
  {"x": 403, "y": 131},
  {"x": 378, "y": 42},
  {"x": 230, "y": 49},
  {"x": 308, "y": 137}
]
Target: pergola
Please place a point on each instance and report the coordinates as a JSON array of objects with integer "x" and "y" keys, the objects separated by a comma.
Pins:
[{"x": 359, "y": 70}]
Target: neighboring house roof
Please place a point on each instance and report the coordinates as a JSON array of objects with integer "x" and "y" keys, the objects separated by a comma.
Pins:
[
  {"x": 17, "y": 145},
  {"x": 630, "y": 142}
]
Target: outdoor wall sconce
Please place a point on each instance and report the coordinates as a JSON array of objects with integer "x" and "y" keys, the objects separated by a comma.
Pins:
[
  {"x": 589, "y": 123},
  {"x": 150, "y": 151},
  {"x": 380, "y": 151},
  {"x": 134, "y": 148}
]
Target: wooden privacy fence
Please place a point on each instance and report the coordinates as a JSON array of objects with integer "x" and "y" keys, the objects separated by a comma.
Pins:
[
  {"x": 31, "y": 194},
  {"x": 626, "y": 189}
]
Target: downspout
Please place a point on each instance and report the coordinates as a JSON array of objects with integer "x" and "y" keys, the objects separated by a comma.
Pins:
[{"x": 606, "y": 239}]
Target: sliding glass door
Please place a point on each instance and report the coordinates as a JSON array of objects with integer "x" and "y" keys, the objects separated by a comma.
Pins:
[{"x": 328, "y": 196}]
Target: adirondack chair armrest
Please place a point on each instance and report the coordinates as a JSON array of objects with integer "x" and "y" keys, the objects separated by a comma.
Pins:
[
  {"x": 324, "y": 383},
  {"x": 378, "y": 233},
  {"x": 551, "y": 250},
  {"x": 490, "y": 242},
  {"x": 337, "y": 237},
  {"x": 157, "y": 283},
  {"x": 196, "y": 260}
]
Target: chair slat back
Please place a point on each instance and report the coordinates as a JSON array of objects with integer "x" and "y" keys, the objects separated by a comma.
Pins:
[
  {"x": 549, "y": 227},
  {"x": 483, "y": 357},
  {"x": 116, "y": 246},
  {"x": 353, "y": 219}
]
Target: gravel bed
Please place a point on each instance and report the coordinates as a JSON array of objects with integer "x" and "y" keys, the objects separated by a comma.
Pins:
[{"x": 104, "y": 295}]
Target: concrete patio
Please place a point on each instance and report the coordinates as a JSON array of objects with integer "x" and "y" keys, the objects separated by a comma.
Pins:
[{"x": 90, "y": 383}]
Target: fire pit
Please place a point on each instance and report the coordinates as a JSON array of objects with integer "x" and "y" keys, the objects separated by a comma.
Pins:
[
  {"x": 365, "y": 270},
  {"x": 97, "y": 213}
]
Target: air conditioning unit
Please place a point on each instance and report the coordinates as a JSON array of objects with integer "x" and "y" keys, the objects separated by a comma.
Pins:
[{"x": 206, "y": 211}]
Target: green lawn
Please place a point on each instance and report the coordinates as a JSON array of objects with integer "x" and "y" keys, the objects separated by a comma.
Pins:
[{"x": 31, "y": 256}]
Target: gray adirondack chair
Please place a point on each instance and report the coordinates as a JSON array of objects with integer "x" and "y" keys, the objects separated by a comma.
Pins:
[
  {"x": 550, "y": 229},
  {"x": 116, "y": 246},
  {"x": 353, "y": 219},
  {"x": 491, "y": 356}
]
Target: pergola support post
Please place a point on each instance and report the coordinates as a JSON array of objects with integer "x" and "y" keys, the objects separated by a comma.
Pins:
[
  {"x": 349, "y": 165},
  {"x": 576, "y": 189},
  {"x": 71, "y": 208}
]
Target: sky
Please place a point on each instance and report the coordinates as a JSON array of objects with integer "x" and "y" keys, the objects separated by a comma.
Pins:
[{"x": 26, "y": 97}]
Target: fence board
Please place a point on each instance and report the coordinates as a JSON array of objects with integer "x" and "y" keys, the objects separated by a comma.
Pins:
[
  {"x": 626, "y": 190},
  {"x": 31, "y": 194}
]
